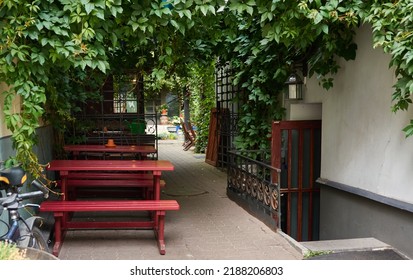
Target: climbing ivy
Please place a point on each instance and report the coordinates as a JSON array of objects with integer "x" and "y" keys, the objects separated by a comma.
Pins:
[
  {"x": 268, "y": 40},
  {"x": 40, "y": 43},
  {"x": 202, "y": 95},
  {"x": 50, "y": 49},
  {"x": 393, "y": 31}
]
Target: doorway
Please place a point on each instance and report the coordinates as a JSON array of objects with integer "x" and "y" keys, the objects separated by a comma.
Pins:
[{"x": 296, "y": 150}]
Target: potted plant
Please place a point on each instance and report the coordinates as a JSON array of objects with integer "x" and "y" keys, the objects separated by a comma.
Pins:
[{"x": 163, "y": 109}]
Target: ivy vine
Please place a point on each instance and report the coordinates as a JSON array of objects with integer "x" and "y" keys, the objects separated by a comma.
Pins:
[
  {"x": 55, "y": 53},
  {"x": 393, "y": 31}
]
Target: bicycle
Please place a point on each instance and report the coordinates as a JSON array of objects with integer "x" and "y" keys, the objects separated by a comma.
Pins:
[{"x": 21, "y": 232}]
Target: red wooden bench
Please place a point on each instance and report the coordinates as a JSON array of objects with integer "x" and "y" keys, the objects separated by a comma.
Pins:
[{"x": 157, "y": 223}]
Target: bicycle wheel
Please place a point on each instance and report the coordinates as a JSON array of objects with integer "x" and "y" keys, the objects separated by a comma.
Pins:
[{"x": 37, "y": 241}]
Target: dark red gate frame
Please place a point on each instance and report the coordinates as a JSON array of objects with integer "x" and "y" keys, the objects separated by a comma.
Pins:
[{"x": 276, "y": 146}]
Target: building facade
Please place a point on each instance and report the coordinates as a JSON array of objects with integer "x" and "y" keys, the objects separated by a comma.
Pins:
[{"x": 366, "y": 160}]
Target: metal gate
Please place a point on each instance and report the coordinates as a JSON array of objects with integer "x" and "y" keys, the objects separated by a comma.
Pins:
[
  {"x": 228, "y": 100},
  {"x": 253, "y": 184},
  {"x": 296, "y": 150}
]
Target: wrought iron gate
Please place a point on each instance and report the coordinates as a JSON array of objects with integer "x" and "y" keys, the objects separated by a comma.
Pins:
[
  {"x": 254, "y": 185},
  {"x": 228, "y": 98}
]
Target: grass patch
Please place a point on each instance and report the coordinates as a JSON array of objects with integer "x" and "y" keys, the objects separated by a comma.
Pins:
[{"x": 312, "y": 254}]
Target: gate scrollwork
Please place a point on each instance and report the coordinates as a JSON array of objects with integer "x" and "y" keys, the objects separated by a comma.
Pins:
[{"x": 253, "y": 180}]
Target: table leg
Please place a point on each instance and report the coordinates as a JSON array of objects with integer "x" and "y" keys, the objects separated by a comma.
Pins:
[
  {"x": 64, "y": 191},
  {"x": 156, "y": 193},
  {"x": 157, "y": 185},
  {"x": 159, "y": 230},
  {"x": 58, "y": 233}
]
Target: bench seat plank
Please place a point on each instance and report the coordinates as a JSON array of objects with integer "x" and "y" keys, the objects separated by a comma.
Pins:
[{"x": 108, "y": 205}]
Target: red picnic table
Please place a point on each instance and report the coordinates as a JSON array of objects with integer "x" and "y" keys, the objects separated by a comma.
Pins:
[
  {"x": 69, "y": 168},
  {"x": 105, "y": 149}
]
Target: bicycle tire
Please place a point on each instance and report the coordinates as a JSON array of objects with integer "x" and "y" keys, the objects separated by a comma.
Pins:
[{"x": 37, "y": 240}]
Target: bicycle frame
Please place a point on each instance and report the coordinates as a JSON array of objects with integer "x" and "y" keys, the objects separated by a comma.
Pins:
[
  {"x": 14, "y": 232},
  {"x": 21, "y": 231}
]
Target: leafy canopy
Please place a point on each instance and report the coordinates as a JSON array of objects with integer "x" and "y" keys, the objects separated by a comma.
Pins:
[{"x": 56, "y": 53}]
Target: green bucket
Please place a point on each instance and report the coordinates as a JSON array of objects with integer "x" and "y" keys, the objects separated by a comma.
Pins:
[{"x": 137, "y": 127}]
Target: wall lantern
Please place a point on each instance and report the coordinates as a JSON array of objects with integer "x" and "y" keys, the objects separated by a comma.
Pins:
[{"x": 295, "y": 87}]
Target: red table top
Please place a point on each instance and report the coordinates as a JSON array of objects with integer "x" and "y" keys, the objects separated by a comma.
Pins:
[
  {"x": 115, "y": 149},
  {"x": 110, "y": 165}
]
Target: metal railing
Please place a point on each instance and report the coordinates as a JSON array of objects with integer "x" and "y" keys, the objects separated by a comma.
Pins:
[
  {"x": 254, "y": 180},
  {"x": 124, "y": 129}
]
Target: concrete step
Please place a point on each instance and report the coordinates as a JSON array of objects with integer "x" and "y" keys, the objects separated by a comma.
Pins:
[{"x": 351, "y": 249}]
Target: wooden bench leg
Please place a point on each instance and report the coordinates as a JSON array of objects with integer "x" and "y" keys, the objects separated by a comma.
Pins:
[
  {"x": 159, "y": 231},
  {"x": 58, "y": 234}
]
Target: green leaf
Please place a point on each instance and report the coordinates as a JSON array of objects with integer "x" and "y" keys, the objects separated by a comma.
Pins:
[
  {"x": 142, "y": 20},
  {"x": 324, "y": 27},
  {"x": 250, "y": 10},
  {"x": 102, "y": 66},
  {"x": 187, "y": 13},
  {"x": 212, "y": 9},
  {"x": 135, "y": 26},
  {"x": 113, "y": 11},
  {"x": 175, "y": 24},
  {"x": 99, "y": 14},
  {"x": 318, "y": 18},
  {"x": 204, "y": 9},
  {"x": 158, "y": 13},
  {"x": 113, "y": 38},
  {"x": 408, "y": 130},
  {"x": 89, "y": 7}
]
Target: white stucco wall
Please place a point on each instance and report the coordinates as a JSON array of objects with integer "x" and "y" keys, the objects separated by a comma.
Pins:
[{"x": 362, "y": 142}]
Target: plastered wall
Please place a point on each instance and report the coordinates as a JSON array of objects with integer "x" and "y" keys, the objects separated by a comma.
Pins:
[{"x": 362, "y": 140}]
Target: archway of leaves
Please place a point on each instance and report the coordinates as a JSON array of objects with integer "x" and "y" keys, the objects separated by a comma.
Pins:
[{"x": 57, "y": 53}]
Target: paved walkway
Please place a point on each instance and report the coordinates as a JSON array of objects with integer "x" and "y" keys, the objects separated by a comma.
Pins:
[{"x": 209, "y": 226}]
